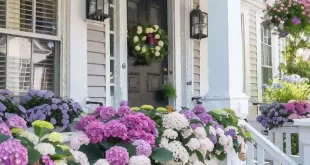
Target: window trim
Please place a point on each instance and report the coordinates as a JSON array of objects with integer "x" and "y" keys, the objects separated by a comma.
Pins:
[{"x": 274, "y": 53}]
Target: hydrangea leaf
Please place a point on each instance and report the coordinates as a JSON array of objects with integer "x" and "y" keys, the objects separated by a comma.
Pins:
[
  {"x": 4, "y": 138},
  {"x": 33, "y": 155},
  {"x": 161, "y": 155},
  {"x": 199, "y": 156}
]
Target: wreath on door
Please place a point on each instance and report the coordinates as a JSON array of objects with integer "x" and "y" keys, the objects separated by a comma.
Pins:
[{"x": 148, "y": 43}]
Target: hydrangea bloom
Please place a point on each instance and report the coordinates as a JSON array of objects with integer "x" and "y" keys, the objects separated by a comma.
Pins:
[
  {"x": 139, "y": 160},
  {"x": 140, "y": 122},
  {"x": 123, "y": 110},
  {"x": 164, "y": 142},
  {"x": 78, "y": 141},
  {"x": 188, "y": 114},
  {"x": 200, "y": 132},
  {"x": 143, "y": 148},
  {"x": 175, "y": 121},
  {"x": 60, "y": 162},
  {"x": 47, "y": 160},
  {"x": 45, "y": 148},
  {"x": 4, "y": 129},
  {"x": 117, "y": 156},
  {"x": 123, "y": 103},
  {"x": 231, "y": 131},
  {"x": 30, "y": 136},
  {"x": 198, "y": 109},
  {"x": 193, "y": 144},
  {"x": 195, "y": 125},
  {"x": 134, "y": 135},
  {"x": 54, "y": 137},
  {"x": 205, "y": 117},
  {"x": 82, "y": 124},
  {"x": 107, "y": 113},
  {"x": 147, "y": 107},
  {"x": 43, "y": 124},
  {"x": 95, "y": 131},
  {"x": 115, "y": 129},
  {"x": 12, "y": 152},
  {"x": 178, "y": 150},
  {"x": 186, "y": 133},
  {"x": 170, "y": 134},
  {"x": 102, "y": 162},
  {"x": 206, "y": 145},
  {"x": 80, "y": 157}
]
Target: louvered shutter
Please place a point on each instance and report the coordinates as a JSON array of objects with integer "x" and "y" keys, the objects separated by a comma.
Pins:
[
  {"x": 2, "y": 13},
  {"x": 46, "y": 16},
  {"x": 20, "y": 15}
]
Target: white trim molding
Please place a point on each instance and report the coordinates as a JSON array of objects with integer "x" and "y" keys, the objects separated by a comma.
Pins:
[{"x": 259, "y": 20}]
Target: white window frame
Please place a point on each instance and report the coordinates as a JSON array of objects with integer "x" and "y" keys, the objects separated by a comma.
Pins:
[{"x": 274, "y": 51}]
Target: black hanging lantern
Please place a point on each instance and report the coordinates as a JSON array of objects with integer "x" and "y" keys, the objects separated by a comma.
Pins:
[
  {"x": 199, "y": 24},
  {"x": 97, "y": 9}
]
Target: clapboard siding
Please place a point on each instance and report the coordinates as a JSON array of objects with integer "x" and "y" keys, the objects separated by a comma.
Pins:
[
  {"x": 196, "y": 68},
  {"x": 96, "y": 60}
]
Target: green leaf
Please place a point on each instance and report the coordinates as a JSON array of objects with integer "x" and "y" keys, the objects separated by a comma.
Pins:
[
  {"x": 249, "y": 135},
  {"x": 195, "y": 121},
  {"x": 92, "y": 152},
  {"x": 33, "y": 155},
  {"x": 25, "y": 142},
  {"x": 40, "y": 131},
  {"x": 73, "y": 163},
  {"x": 161, "y": 155},
  {"x": 221, "y": 156},
  {"x": 199, "y": 156},
  {"x": 130, "y": 148},
  {"x": 106, "y": 145},
  {"x": 4, "y": 138}
]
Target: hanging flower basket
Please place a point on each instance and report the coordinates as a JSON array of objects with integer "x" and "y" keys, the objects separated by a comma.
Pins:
[
  {"x": 289, "y": 17},
  {"x": 148, "y": 43}
]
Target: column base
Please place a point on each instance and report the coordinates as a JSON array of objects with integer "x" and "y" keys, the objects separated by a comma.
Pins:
[{"x": 239, "y": 103}]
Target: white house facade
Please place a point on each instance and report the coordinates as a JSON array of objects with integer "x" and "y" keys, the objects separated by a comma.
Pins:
[{"x": 50, "y": 45}]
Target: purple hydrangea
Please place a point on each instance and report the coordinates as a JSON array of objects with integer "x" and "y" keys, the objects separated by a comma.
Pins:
[
  {"x": 2, "y": 107},
  {"x": 213, "y": 138},
  {"x": 5, "y": 130},
  {"x": 134, "y": 135},
  {"x": 195, "y": 125},
  {"x": 117, "y": 156},
  {"x": 296, "y": 20},
  {"x": 106, "y": 113},
  {"x": 139, "y": 122},
  {"x": 14, "y": 154},
  {"x": 6, "y": 92},
  {"x": 290, "y": 107},
  {"x": 95, "y": 131},
  {"x": 2, "y": 98},
  {"x": 198, "y": 109},
  {"x": 205, "y": 117},
  {"x": 53, "y": 121},
  {"x": 188, "y": 114},
  {"x": 123, "y": 103},
  {"x": 232, "y": 133},
  {"x": 22, "y": 109},
  {"x": 143, "y": 148},
  {"x": 56, "y": 101},
  {"x": 115, "y": 129},
  {"x": 47, "y": 160},
  {"x": 82, "y": 124},
  {"x": 123, "y": 110},
  {"x": 54, "y": 107},
  {"x": 16, "y": 122}
]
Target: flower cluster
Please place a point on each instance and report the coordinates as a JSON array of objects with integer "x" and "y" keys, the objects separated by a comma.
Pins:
[
  {"x": 148, "y": 43},
  {"x": 43, "y": 105},
  {"x": 199, "y": 115},
  {"x": 12, "y": 152},
  {"x": 289, "y": 16},
  {"x": 117, "y": 155},
  {"x": 9, "y": 106}
]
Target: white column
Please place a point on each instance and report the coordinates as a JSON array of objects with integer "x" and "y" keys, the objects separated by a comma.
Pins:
[
  {"x": 78, "y": 52},
  {"x": 225, "y": 58}
]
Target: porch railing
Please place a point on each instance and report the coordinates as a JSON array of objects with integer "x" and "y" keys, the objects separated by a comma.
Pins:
[{"x": 262, "y": 150}]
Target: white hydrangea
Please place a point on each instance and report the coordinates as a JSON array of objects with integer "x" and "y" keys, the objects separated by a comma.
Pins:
[
  {"x": 206, "y": 145},
  {"x": 139, "y": 30},
  {"x": 80, "y": 157},
  {"x": 45, "y": 148},
  {"x": 30, "y": 136},
  {"x": 157, "y": 48},
  {"x": 156, "y": 27},
  {"x": 212, "y": 130},
  {"x": 187, "y": 132},
  {"x": 170, "y": 134},
  {"x": 135, "y": 39},
  {"x": 220, "y": 131},
  {"x": 102, "y": 162},
  {"x": 175, "y": 121},
  {"x": 223, "y": 140},
  {"x": 60, "y": 162},
  {"x": 79, "y": 140},
  {"x": 164, "y": 142},
  {"x": 143, "y": 50},
  {"x": 139, "y": 160},
  {"x": 157, "y": 36},
  {"x": 240, "y": 140},
  {"x": 151, "y": 30},
  {"x": 143, "y": 38},
  {"x": 231, "y": 128},
  {"x": 200, "y": 132},
  {"x": 178, "y": 151},
  {"x": 230, "y": 141},
  {"x": 157, "y": 53},
  {"x": 193, "y": 144},
  {"x": 170, "y": 162},
  {"x": 137, "y": 48},
  {"x": 160, "y": 43}
]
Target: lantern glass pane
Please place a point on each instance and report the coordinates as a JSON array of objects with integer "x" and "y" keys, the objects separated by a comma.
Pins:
[
  {"x": 106, "y": 8},
  {"x": 92, "y": 7},
  {"x": 195, "y": 19},
  {"x": 195, "y": 29},
  {"x": 204, "y": 29},
  {"x": 100, "y": 4}
]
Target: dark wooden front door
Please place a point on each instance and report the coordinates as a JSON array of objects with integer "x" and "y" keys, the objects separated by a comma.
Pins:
[{"x": 145, "y": 81}]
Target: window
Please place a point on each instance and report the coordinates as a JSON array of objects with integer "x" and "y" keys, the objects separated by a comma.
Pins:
[
  {"x": 112, "y": 49},
  {"x": 38, "y": 16},
  {"x": 266, "y": 50},
  {"x": 28, "y": 63}
]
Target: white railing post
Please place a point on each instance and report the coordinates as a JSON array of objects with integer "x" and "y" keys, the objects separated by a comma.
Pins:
[{"x": 304, "y": 139}]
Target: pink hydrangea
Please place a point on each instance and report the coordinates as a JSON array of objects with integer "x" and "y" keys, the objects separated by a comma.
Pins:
[
  {"x": 300, "y": 108},
  {"x": 198, "y": 109},
  {"x": 16, "y": 122},
  {"x": 106, "y": 113},
  {"x": 143, "y": 148},
  {"x": 117, "y": 156},
  {"x": 95, "y": 131},
  {"x": 139, "y": 122},
  {"x": 82, "y": 124},
  {"x": 98, "y": 110},
  {"x": 294, "y": 116},
  {"x": 123, "y": 110},
  {"x": 4, "y": 129},
  {"x": 134, "y": 135},
  {"x": 307, "y": 107},
  {"x": 12, "y": 152},
  {"x": 47, "y": 160},
  {"x": 78, "y": 141},
  {"x": 290, "y": 107},
  {"x": 123, "y": 103},
  {"x": 115, "y": 129}
]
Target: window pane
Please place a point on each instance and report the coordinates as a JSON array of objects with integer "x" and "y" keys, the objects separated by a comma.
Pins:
[
  {"x": 2, "y": 13},
  {"x": 2, "y": 60},
  {"x": 112, "y": 18},
  {"x": 112, "y": 45},
  {"x": 20, "y": 15},
  {"x": 112, "y": 90},
  {"x": 132, "y": 13},
  {"x": 112, "y": 71},
  {"x": 46, "y": 16},
  {"x": 43, "y": 64},
  {"x": 153, "y": 15},
  {"x": 266, "y": 74},
  {"x": 18, "y": 65},
  {"x": 266, "y": 55}
]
